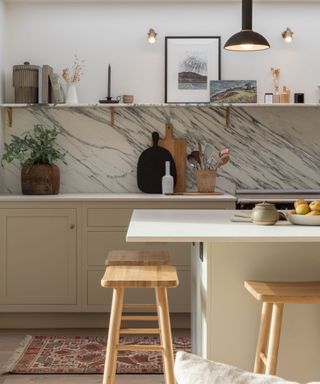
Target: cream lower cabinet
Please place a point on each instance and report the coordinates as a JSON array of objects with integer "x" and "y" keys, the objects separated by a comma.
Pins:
[
  {"x": 105, "y": 229},
  {"x": 38, "y": 260}
]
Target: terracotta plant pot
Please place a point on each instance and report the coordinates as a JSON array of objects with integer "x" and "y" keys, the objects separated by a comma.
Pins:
[
  {"x": 206, "y": 180},
  {"x": 40, "y": 179}
]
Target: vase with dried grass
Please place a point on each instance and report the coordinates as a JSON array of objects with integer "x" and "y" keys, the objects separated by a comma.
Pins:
[{"x": 72, "y": 77}]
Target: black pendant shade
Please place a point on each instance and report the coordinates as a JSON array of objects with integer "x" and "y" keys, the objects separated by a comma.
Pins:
[{"x": 246, "y": 39}]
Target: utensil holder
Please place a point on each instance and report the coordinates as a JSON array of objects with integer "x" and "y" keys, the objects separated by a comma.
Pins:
[{"x": 206, "y": 180}]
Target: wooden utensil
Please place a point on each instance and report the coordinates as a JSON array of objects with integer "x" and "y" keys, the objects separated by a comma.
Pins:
[
  {"x": 151, "y": 167},
  {"x": 177, "y": 148}
]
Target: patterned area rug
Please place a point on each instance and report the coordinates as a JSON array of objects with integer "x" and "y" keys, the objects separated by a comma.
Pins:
[{"x": 85, "y": 354}]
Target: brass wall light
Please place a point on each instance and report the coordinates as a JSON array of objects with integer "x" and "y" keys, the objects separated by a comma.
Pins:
[
  {"x": 287, "y": 35},
  {"x": 152, "y": 36}
]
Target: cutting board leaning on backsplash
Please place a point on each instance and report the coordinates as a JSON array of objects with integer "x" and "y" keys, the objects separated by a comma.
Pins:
[{"x": 177, "y": 148}]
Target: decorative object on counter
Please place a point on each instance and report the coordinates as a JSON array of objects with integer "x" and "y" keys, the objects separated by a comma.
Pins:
[
  {"x": 26, "y": 83},
  {"x": 109, "y": 99},
  {"x": 299, "y": 98},
  {"x": 177, "y": 148},
  {"x": 264, "y": 214},
  {"x": 191, "y": 62},
  {"x": 246, "y": 39},
  {"x": 127, "y": 99},
  {"x": 151, "y": 167},
  {"x": 205, "y": 168},
  {"x": 37, "y": 152},
  {"x": 72, "y": 77},
  {"x": 287, "y": 35},
  {"x": 152, "y": 36},
  {"x": 167, "y": 181},
  {"x": 233, "y": 91},
  {"x": 57, "y": 90},
  {"x": 268, "y": 98},
  {"x": 285, "y": 95}
]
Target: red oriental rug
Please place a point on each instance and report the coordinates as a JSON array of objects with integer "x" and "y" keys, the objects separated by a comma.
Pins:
[{"x": 85, "y": 355}]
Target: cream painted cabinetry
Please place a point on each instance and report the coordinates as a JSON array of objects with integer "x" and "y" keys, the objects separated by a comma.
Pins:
[
  {"x": 38, "y": 259},
  {"x": 105, "y": 229}
]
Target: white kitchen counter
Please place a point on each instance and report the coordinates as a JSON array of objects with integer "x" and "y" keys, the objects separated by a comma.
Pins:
[
  {"x": 211, "y": 225},
  {"x": 116, "y": 197},
  {"x": 225, "y": 317}
]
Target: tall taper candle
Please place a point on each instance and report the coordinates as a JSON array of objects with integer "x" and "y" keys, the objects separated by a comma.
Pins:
[{"x": 109, "y": 81}]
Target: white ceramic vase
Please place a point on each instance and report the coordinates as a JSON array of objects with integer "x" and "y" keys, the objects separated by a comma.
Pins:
[{"x": 72, "y": 96}]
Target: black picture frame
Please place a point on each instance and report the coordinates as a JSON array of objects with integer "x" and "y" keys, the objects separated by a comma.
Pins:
[{"x": 191, "y": 90}]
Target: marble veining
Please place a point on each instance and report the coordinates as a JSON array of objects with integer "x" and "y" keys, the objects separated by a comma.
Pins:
[{"x": 271, "y": 148}]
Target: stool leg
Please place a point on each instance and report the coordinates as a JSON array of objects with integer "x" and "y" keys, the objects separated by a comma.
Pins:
[
  {"x": 165, "y": 334},
  {"x": 274, "y": 339},
  {"x": 113, "y": 336},
  {"x": 263, "y": 337}
]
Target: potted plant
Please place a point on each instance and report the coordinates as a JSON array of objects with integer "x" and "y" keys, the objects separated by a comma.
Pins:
[{"x": 37, "y": 152}]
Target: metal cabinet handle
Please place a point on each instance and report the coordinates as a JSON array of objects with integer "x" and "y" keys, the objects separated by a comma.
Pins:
[{"x": 72, "y": 226}]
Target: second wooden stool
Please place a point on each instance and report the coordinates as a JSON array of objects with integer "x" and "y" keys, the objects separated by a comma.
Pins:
[
  {"x": 139, "y": 269},
  {"x": 273, "y": 296}
]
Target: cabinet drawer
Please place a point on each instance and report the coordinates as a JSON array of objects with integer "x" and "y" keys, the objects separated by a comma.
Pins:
[
  {"x": 108, "y": 217},
  {"x": 179, "y": 298},
  {"x": 100, "y": 243}
]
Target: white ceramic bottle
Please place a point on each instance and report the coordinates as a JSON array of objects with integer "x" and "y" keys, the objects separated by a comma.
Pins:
[{"x": 167, "y": 180}]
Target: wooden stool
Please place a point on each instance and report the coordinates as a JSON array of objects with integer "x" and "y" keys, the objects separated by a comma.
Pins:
[
  {"x": 159, "y": 276},
  {"x": 273, "y": 296}
]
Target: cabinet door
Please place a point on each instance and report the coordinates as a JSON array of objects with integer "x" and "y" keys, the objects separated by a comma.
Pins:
[{"x": 38, "y": 257}]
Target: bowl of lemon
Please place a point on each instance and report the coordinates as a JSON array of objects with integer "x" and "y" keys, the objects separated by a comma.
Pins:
[{"x": 305, "y": 213}]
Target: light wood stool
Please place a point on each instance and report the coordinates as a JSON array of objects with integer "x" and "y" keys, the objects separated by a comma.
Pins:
[
  {"x": 159, "y": 276},
  {"x": 273, "y": 296}
]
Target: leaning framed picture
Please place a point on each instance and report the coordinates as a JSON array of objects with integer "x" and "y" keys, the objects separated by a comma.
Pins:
[{"x": 190, "y": 64}]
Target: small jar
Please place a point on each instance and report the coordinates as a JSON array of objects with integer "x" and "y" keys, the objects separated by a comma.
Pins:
[{"x": 264, "y": 214}]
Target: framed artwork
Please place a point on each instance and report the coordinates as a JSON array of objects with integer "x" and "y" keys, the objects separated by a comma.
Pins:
[
  {"x": 190, "y": 64},
  {"x": 233, "y": 91}
]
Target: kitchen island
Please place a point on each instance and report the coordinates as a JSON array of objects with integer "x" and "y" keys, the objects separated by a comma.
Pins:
[{"x": 225, "y": 318}]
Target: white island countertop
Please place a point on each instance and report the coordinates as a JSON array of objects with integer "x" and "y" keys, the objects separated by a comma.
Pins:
[
  {"x": 211, "y": 226},
  {"x": 115, "y": 197}
]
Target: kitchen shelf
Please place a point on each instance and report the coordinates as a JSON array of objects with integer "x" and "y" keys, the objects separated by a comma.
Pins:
[{"x": 9, "y": 107}]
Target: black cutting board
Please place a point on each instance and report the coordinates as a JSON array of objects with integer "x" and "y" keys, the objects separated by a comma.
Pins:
[{"x": 151, "y": 167}]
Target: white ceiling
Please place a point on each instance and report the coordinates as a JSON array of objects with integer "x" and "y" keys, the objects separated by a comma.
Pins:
[{"x": 157, "y": 1}]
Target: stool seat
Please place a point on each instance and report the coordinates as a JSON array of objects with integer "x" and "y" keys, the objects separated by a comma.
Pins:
[
  {"x": 285, "y": 292},
  {"x": 122, "y": 257},
  {"x": 140, "y": 276}
]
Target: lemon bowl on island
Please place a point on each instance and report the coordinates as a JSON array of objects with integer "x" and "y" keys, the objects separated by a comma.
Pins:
[{"x": 305, "y": 213}]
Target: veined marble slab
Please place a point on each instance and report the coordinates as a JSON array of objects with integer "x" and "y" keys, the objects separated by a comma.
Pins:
[{"x": 271, "y": 148}]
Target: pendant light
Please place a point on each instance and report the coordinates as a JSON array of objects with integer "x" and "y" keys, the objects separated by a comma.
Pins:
[{"x": 246, "y": 39}]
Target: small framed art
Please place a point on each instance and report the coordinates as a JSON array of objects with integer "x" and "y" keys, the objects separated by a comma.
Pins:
[{"x": 190, "y": 64}]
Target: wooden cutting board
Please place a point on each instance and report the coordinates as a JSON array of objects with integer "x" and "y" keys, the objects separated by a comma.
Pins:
[
  {"x": 177, "y": 148},
  {"x": 151, "y": 167}
]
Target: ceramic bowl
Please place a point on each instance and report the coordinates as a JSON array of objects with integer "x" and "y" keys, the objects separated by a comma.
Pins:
[{"x": 303, "y": 219}]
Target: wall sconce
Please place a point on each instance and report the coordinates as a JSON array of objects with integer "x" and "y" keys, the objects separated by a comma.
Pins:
[
  {"x": 287, "y": 35},
  {"x": 152, "y": 36}
]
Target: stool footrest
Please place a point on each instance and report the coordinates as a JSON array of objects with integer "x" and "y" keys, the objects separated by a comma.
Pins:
[
  {"x": 139, "y": 318},
  {"x": 263, "y": 357},
  {"x": 139, "y": 331},
  {"x": 140, "y": 306},
  {"x": 139, "y": 347}
]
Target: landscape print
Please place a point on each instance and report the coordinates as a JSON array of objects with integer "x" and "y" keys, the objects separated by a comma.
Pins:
[
  {"x": 193, "y": 70},
  {"x": 233, "y": 91}
]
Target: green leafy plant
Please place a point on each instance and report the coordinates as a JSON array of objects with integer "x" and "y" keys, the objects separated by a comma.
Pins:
[{"x": 36, "y": 147}]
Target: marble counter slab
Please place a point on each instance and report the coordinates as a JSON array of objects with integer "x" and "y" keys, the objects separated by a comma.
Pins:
[
  {"x": 211, "y": 226},
  {"x": 114, "y": 197}
]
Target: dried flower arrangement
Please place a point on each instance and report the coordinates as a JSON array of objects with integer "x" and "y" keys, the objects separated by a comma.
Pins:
[
  {"x": 276, "y": 76},
  {"x": 74, "y": 75}
]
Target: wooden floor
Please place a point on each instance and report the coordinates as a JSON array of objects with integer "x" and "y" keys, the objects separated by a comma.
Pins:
[{"x": 10, "y": 339}]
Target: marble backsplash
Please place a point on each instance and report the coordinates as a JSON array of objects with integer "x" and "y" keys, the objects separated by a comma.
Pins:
[{"x": 271, "y": 147}]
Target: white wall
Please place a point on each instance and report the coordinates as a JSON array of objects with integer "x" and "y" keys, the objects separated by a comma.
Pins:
[
  {"x": 2, "y": 82},
  {"x": 116, "y": 33}
]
